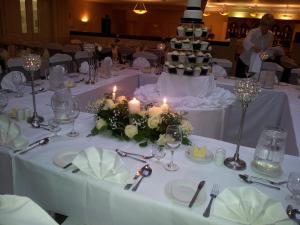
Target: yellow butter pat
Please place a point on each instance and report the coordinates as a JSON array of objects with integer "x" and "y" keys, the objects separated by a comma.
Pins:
[{"x": 199, "y": 152}]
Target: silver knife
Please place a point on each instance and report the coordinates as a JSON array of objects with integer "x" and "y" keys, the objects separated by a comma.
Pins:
[
  {"x": 41, "y": 142},
  {"x": 200, "y": 186}
]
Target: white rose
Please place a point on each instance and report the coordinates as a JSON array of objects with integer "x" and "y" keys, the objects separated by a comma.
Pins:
[
  {"x": 131, "y": 131},
  {"x": 100, "y": 123},
  {"x": 153, "y": 121},
  {"x": 155, "y": 110},
  {"x": 142, "y": 113},
  {"x": 186, "y": 127},
  {"x": 161, "y": 140},
  {"x": 109, "y": 104}
]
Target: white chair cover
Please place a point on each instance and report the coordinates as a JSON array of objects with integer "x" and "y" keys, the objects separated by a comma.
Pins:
[
  {"x": 151, "y": 57},
  {"x": 271, "y": 66},
  {"x": 7, "y": 82},
  {"x": 218, "y": 71},
  {"x": 16, "y": 210},
  {"x": 82, "y": 55},
  {"x": 141, "y": 62},
  {"x": 15, "y": 62},
  {"x": 60, "y": 58}
]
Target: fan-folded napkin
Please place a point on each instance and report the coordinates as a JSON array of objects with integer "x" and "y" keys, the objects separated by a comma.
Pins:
[
  {"x": 15, "y": 210},
  {"x": 247, "y": 205},
  {"x": 7, "y": 81},
  {"x": 10, "y": 134},
  {"x": 84, "y": 67},
  {"x": 103, "y": 164}
]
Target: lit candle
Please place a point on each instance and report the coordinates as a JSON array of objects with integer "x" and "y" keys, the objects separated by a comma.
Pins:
[
  {"x": 134, "y": 106},
  {"x": 164, "y": 106},
  {"x": 114, "y": 93}
]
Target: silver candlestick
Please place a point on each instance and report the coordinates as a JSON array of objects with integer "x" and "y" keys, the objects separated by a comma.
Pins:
[
  {"x": 32, "y": 63},
  {"x": 246, "y": 90}
]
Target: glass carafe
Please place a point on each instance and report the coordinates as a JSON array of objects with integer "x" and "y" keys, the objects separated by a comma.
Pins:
[
  {"x": 61, "y": 103},
  {"x": 269, "y": 152}
]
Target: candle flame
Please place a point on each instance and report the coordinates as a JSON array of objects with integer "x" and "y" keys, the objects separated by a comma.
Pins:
[
  {"x": 134, "y": 99},
  {"x": 115, "y": 88},
  {"x": 165, "y": 100}
]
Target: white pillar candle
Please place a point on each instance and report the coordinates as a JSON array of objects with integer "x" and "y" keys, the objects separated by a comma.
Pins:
[
  {"x": 114, "y": 93},
  {"x": 134, "y": 106},
  {"x": 164, "y": 106}
]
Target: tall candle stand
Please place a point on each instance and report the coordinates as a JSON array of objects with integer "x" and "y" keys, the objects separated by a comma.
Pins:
[
  {"x": 245, "y": 90},
  {"x": 32, "y": 63}
]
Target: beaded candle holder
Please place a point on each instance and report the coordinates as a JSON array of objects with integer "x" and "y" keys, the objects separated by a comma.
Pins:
[
  {"x": 32, "y": 63},
  {"x": 246, "y": 91}
]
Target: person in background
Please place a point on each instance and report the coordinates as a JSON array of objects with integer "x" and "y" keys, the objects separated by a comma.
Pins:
[{"x": 258, "y": 40}]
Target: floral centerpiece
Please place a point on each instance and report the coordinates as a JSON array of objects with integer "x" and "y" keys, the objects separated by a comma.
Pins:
[{"x": 145, "y": 126}]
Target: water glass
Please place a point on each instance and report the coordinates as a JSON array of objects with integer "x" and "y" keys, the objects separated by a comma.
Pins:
[
  {"x": 293, "y": 186},
  {"x": 158, "y": 151},
  {"x": 73, "y": 114},
  {"x": 173, "y": 141},
  {"x": 220, "y": 156}
]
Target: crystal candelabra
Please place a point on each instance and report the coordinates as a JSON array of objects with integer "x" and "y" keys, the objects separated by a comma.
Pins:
[
  {"x": 91, "y": 49},
  {"x": 245, "y": 90},
  {"x": 32, "y": 63}
]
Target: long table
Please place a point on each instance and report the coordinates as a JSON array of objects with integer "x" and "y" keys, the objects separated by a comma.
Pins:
[{"x": 93, "y": 201}]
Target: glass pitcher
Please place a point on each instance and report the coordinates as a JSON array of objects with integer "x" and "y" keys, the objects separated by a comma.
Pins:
[
  {"x": 269, "y": 152},
  {"x": 61, "y": 103}
]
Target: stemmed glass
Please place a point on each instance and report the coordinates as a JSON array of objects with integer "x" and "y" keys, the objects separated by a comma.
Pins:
[
  {"x": 17, "y": 80},
  {"x": 173, "y": 141},
  {"x": 293, "y": 186},
  {"x": 73, "y": 114},
  {"x": 3, "y": 101}
]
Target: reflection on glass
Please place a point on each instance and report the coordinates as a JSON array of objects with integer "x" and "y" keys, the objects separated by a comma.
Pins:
[
  {"x": 23, "y": 16},
  {"x": 35, "y": 16}
]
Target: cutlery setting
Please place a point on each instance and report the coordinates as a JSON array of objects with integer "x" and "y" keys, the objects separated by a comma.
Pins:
[
  {"x": 33, "y": 145},
  {"x": 200, "y": 186},
  {"x": 143, "y": 172},
  {"x": 130, "y": 155},
  {"x": 213, "y": 194},
  {"x": 265, "y": 180},
  {"x": 251, "y": 181}
]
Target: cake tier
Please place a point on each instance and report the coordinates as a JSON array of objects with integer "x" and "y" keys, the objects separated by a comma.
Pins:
[
  {"x": 192, "y": 14},
  {"x": 194, "y": 3}
]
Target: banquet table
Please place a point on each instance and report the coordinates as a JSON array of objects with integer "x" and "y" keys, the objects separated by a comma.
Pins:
[{"x": 94, "y": 201}]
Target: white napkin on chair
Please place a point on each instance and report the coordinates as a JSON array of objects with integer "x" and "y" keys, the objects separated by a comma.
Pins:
[
  {"x": 247, "y": 205},
  {"x": 141, "y": 62},
  {"x": 103, "y": 164},
  {"x": 10, "y": 134},
  {"x": 7, "y": 82},
  {"x": 84, "y": 67},
  {"x": 255, "y": 63},
  {"x": 15, "y": 210}
]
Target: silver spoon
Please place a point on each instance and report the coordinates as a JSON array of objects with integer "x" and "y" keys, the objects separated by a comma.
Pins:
[
  {"x": 41, "y": 142},
  {"x": 291, "y": 212},
  {"x": 145, "y": 172},
  {"x": 122, "y": 154},
  {"x": 245, "y": 178}
]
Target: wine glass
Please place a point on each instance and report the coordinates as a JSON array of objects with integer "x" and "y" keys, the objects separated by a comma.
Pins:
[
  {"x": 293, "y": 186},
  {"x": 173, "y": 141},
  {"x": 17, "y": 80},
  {"x": 73, "y": 114},
  {"x": 158, "y": 151},
  {"x": 3, "y": 101}
]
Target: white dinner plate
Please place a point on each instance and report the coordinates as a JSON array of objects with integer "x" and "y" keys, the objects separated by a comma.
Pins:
[
  {"x": 64, "y": 158},
  {"x": 182, "y": 191},
  {"x": 208, "y": 158}
]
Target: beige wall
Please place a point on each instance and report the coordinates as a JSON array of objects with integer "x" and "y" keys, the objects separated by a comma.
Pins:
[{"x": 218, "y": 25}]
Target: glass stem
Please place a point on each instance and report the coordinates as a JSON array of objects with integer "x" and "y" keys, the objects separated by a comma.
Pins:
[
  {"x": 172, "y": 156},
  {"x": 73, "y": 126}
]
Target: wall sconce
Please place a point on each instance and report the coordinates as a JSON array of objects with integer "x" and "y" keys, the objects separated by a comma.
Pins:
[
  {"x": 253, "y": 11},
  {"x": 140, "y": 8},
  {"x": 84, "y": 19}
]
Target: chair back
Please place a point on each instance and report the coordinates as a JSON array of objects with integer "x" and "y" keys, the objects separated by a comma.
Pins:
[
  {"x": 151, "y": 57},
  {"x": 141, "y": 62},
  {"x": 82, "y": 56},
  {"x": 15, "y": 62},
  {"x": 62, "y": 59}
]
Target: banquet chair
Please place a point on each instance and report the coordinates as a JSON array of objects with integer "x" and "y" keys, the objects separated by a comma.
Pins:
[
  {"x": 141, "y": 62},
  {"x": 274, "y": 67},
  {"x": 71, "y": 49},
  {"x": 125, "y": 53},
  {"x": 15, "y": 210},
  {"x": 225, "y": 63},
  {"x": 295, "y": 76},
  {"x": 81, "y": 56},
  {"x": 62, "y": 59},
  {"x": 16, "y": 64},
  {"x": 151, "y": 57}
]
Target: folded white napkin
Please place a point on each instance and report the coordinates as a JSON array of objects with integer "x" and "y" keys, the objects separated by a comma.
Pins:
[
  {"x": 141, "y": 62},
  {"x": 56, "y": 77},
  {"x": 103, "y": 164},
  {"x": 15, "y": 210},
  {"x": 10, "y": 134},
  {"x": 255, "y": 63},
  {"x": 7, "y": 82},
  {"x": 84, "y": 67},
  {"x": 247, "y": 205},
  {"x": 218, "y": 71},
  {"x": 106, "y": 67}
]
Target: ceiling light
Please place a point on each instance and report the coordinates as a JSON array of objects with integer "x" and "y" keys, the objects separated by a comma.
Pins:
[{"x": 140, "y": 8}]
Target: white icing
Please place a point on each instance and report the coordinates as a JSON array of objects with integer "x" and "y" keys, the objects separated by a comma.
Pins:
[
  {"x": 192, "y": 14},
  {"x": 194, "y": 3}
]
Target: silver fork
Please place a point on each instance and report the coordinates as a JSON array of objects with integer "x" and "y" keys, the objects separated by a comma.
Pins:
[{"x": 213, "y": 194}]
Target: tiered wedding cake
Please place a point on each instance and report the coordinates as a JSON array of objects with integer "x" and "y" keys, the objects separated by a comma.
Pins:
[{"x": 190, "y": 52}]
